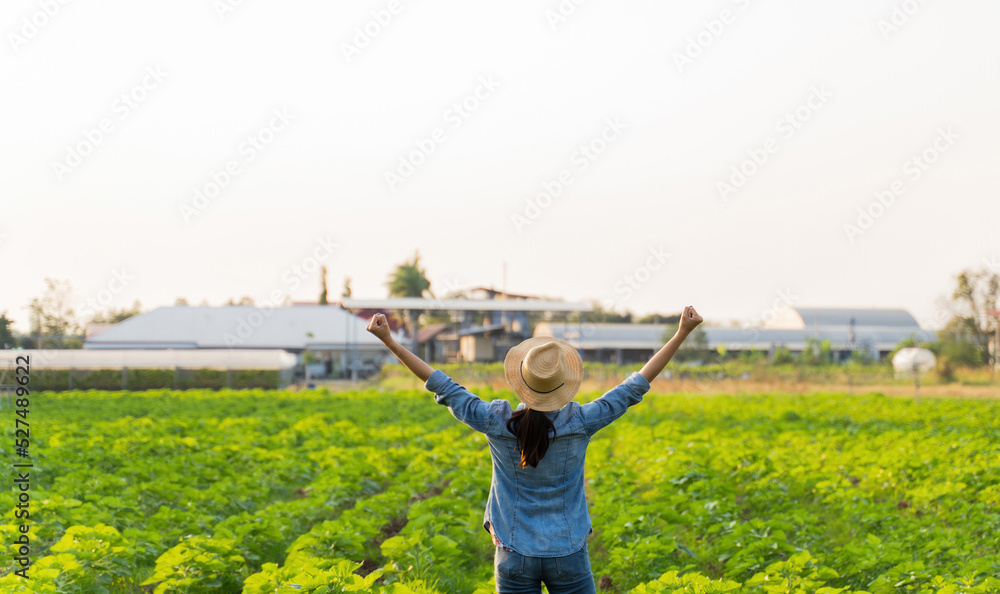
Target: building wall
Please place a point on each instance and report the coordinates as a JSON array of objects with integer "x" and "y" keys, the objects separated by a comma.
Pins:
[{"x": 477, "y": 348}]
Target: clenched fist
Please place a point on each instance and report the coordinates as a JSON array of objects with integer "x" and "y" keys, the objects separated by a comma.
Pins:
[
  {"x": 690, "y": 319},
  {"x": 379, "y": 326}
]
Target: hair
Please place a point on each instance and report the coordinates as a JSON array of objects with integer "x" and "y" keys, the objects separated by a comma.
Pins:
[{"x": 532, "y": 430}]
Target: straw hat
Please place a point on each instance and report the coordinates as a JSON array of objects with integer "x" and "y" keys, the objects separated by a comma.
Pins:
[{"x": 545, "y": 372}]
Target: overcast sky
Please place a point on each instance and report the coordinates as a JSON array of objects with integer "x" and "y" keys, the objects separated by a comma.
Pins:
[{"x": 648, "y": 155}]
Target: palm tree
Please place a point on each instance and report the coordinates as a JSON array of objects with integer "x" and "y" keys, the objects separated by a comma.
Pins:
[{"x": 409, "y": 280}]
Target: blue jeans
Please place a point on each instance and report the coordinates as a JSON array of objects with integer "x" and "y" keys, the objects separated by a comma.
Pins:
[{"x": 517, "y": 574}]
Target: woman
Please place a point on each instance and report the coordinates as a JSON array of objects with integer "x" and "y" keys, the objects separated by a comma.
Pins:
[{"x": 537, "y": 512}]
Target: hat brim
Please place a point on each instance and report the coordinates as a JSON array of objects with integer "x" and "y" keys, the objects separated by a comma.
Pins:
[{"x": 555, "y": 399}]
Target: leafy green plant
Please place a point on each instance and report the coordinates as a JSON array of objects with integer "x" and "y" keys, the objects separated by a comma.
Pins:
[
  {"x": 340, "y": 577},
  {"x": 689, "y": 582},
  {"x": 204, "y": 490},
  {"x": 198, "y": 564},
  {"x": 100, "y": 558}
]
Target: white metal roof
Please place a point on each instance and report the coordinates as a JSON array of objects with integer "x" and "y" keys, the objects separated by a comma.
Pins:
[
  {"x": 273, "y": 359},
  {"x": 653, "y": 336},
  {"x": 789, "y": 318},
  {"x": 419, "y": 303},
  {"x": 238, "y": 326}
]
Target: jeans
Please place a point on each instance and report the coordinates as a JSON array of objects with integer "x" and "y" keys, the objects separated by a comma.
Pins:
[{"x": 518, "y": 574}]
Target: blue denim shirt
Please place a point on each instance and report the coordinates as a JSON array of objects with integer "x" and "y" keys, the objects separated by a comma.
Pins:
[{"x": 538, "y": 512}]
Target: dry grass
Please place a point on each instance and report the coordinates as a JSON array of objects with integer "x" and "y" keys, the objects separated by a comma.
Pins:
[
  {"x": 727, "y": 386},
  {"x": 663, "y": 386}
]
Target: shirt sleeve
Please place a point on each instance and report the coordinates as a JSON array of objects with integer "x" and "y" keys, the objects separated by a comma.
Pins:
[
  {"x": 600, "y": 413},
  {"x": 463, "y": 404}
]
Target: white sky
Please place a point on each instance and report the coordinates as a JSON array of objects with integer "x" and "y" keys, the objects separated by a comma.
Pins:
[{"x": 654, "y": 187}]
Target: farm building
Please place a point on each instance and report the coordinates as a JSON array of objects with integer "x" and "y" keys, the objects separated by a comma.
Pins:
[
  {"x": 330, "y": 340},
  {"x": 483, "y": 324},
  {"x": 336, "y": 341},
  {"x": 875, "y": 332}
]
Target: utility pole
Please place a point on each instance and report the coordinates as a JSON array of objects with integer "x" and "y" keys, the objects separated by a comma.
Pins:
[
  {"x": 414, "y": 314},
  {"x": 503, "y": 292},
  {"x": 995, "y": 314}
]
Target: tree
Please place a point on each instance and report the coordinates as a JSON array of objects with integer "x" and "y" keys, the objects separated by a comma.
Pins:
[
  {"x": 975, "y": 295},
  {"x": 694, "y": 347},
  {"x": 245, "y": 300},
  {"x": 409, "y": 280},
  {"x": 347, "y": 288},
  {"x": 322, "y": 283},
  {"x": 782, "y": 356},
  {"x": 912, "y": 342},
  {"x": 53, "y": 320},
  {"x": 599, "y": 315},
  {"x": 656, "y": 318},
  {"x": 7, "y": 340},
  {"x": 181, "y": 301},
  {"x": 113, "y": 316},
  {"x": 817, "y": 352},
  {"x": 957, "y": 346}
]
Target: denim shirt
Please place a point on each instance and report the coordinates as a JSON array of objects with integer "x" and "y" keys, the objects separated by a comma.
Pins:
[{"x": 538, "y": 512}]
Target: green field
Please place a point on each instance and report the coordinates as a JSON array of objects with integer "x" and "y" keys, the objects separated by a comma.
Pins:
[{"x": 273, "y": 491}]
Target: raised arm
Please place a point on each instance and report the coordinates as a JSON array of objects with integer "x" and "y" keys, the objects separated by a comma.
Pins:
[
  {"x": 379, "y": 326},
  {"x": 689, "y": 321}
]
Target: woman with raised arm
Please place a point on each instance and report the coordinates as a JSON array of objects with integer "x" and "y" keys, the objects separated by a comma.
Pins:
[{"x": 537, "y": 511}]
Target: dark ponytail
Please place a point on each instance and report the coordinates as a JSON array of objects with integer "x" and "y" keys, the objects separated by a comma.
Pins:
[{"x": 532, "y": 430}]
